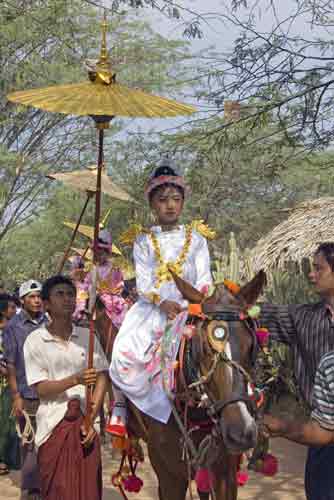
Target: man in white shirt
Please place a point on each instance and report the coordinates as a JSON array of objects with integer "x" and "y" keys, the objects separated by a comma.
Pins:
[{"x": 56, "y": 359}]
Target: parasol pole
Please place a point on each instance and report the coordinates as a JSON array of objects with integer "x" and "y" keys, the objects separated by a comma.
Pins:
[
  {"x": 98, "y": 193},
  {"x": 68, "y": 248},
  {"x": 102, "y": 122},
  {"x": 92, "y": 301}
]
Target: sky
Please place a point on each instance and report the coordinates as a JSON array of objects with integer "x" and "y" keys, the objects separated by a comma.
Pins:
[{"x": 219, "y": 34}]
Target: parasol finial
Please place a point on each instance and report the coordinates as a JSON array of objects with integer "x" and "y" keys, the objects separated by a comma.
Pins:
[
  {"x": 104, "y": 51},
  {"x": 101, "y": 71}
]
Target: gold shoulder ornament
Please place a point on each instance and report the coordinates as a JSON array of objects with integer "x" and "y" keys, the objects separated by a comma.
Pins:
[
  {"x": 203, "y": 229},
  {"x": 131, "y": 234}
]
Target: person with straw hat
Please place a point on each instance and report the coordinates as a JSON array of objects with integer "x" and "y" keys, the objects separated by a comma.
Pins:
[{"x": 137, "y": 358}]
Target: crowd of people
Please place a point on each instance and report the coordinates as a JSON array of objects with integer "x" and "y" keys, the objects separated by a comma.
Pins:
[{"x": 45, "y": 345}]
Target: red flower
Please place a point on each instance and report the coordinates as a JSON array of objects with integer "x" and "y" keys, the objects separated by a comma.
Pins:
[
  {"x": 262, "y": 336},
  {"x": 270, "y": 465},
  {"x": 204, "y": 480},
  {"x": 133, "y": 484},
  {"x": 242, "y": 477}
]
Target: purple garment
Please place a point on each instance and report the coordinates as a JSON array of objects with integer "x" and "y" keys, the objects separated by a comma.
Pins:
[{"x": 14, "y": 337}]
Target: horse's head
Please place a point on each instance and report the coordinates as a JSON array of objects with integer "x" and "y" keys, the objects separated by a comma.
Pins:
[{"x": 229, "y": 351}]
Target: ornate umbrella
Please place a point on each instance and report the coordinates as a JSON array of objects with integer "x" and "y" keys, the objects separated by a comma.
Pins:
[
  {"x": 85, "y": 180},
  {"x": 102, "y": 98},
  {"x": 83, "y": 252}
]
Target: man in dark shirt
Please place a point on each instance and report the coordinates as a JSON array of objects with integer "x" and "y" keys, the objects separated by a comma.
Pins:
[
  {"x": 309, "y": 330},
  {"x": 317, "y": 432},
  {"x": 24, "y": 398}
]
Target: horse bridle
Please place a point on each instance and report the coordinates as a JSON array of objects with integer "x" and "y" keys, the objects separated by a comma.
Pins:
[
  {"x": 208, "y": 449},
  {"x": 221, "y": 325}
]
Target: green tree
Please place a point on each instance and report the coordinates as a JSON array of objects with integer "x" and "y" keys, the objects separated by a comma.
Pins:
[{"x": 46, "y": 43}]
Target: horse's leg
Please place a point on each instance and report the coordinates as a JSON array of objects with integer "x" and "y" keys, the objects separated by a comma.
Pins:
[
  {"x": 171, "y": 486},
  {"x": 203, "y": 496},
  {"x": 164, "y": 451},
  {"x": 226, "y": 478},
  {"x": 102, "y": 424}
]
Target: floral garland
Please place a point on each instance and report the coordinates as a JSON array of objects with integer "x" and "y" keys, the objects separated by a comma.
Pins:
[{"x": 163, "y": 270}]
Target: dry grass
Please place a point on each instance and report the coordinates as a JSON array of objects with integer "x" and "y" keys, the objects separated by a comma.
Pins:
[{"x": 296, "y": 238}]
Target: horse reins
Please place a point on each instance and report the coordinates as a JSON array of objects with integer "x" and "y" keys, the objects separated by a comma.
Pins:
[
  {"x": 200, "y": 457},
  {"x": 227, "y": 316}
]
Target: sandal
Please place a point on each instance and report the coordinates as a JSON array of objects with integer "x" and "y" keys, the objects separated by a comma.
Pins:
[{"x": 116, "y": 427}]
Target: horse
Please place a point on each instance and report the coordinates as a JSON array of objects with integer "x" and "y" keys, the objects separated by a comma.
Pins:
[
  {"x": 105, "y": 332},
  {"x": 227, "y": 350}
]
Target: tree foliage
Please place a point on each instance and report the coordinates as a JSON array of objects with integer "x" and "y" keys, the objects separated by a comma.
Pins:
[
  {"x": 243, "y": 174},
  {"x": 46, "y": 43},
  {"x": 281, "y": 60}
]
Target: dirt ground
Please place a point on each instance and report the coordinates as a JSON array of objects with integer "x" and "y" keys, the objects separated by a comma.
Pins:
[{"x": 286, "y": 485}]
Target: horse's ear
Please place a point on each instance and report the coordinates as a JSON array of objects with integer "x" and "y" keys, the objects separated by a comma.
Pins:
[
  {"x": 250, "y": 292},
  {"x": 187, "y": 290}
]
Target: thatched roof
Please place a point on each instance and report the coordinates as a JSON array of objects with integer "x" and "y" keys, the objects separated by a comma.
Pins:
[{"x": 296, "y": 238}]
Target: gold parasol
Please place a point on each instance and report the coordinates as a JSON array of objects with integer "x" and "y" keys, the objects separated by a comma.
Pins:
[
  {"x": 83, "y": 252},
  {"x": 102, "y": 98},
  {"x": 89, "y": 232},
  {"x": 85, "y": 180}
]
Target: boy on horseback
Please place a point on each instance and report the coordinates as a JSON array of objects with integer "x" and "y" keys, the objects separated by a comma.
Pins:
[
  {"x": 109, "y": 281},
  {"x": 136, "y": 366}
]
